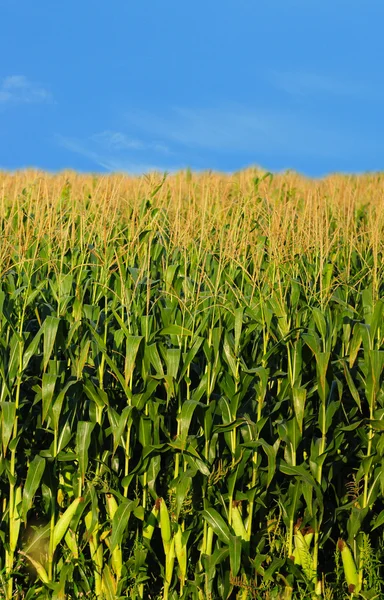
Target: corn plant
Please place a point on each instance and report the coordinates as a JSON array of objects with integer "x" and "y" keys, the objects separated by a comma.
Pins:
[{"x": 191, "y": 387}]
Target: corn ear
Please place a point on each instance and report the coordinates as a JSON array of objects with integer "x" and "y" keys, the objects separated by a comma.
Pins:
[
  {"x": 165, "y": 526},
  {"x": 181, "y": 552},
  {"x": 117, "y": 554},
  {"x": 96, "y": 552},
  {"x": 117, "y": 561},
  {"x": 70, "y": 540},
  {"x": 237, "y": 522},
  {"x": 296, "y": 557},
  {"x": 64, "y": 521},
  {"x": 350, "y": 570},
  {"x": 98, "y": 560},
  {"x": 152, "y": 521},
  {"x": 88, "y": 522},
  {"x": 15, "y": 529},
  {"x": 169, "y": 564},
  {"x": 109, "y": 586},
  {"x": 112, "y": 505},
  {"x": 66, "y": 483},
  {"x": 209, "y": 542},
  {"x": 92, "y": 533},
  {"x": 303, "y": 555},
  {"x": 105, "y": 536},
  {"x": 60, "y": 497},
  {"x": 309, "y": 537}
]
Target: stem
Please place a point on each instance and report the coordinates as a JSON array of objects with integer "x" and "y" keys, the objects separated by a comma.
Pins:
[
  {"x": 10, "y": 554},
  {"x": 319, "y": 479},
  {"x": 365, "y": 493},
  {"x": 127, "y": 457},
  {"x": 51, "y": 548},
  {"x": 260, "y": 402}
]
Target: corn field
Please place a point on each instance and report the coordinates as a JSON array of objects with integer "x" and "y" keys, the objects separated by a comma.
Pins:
[{"x": 191, "y": 381}]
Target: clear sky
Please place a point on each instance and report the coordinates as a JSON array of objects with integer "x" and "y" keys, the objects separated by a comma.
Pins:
[{"x": 136, "y": 85}]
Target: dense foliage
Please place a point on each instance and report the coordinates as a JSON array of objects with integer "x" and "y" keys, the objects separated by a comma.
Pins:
[{"x": 191, "y": 387}]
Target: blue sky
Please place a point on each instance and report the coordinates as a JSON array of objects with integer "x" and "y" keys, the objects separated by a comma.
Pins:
[{"x": 137, "y": 85}]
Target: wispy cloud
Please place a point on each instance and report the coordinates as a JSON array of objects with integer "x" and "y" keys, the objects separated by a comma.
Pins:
[
  {"x": 197, "y": 137},
  {"x": 255, "y": 131},
  {"x": 304, "y": 84},
  {"x": 115, "y": 151},
  {"x": 18, "y": 89},
  {"x": 116, "y": 141}
]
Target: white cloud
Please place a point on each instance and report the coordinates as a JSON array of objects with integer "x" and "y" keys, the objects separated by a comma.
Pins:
[{"x": 18, "y": 89}]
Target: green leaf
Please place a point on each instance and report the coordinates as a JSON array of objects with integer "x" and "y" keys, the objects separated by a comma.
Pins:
[
  {"x": 32, "y": 348},
  {"x": 276, "y": 564},
  {"x": 175, "y": 330},
  {"x": 83, "y": 439},
  {"x": 47, "y": 390},
  {"x": 132, "y": 345},
  {"x": 229, "y": 355},
  {"x": 57, "y": 406},
  {"x": 376, "y": 424},
  {"x": 234, "y": 554},
  {"x": 185, "y": 418},
  {"x": 355, "y": 344},
  {"x": 378, "y": 521},
  {"x": 351, "y": 386},
  {"x": 239, "y": 312},
  {"x": 299, "y": 395},
  {"x": 219, "y": 526},
  {"x": 119, "y": 423},
  {"x": 111, "y": 363},
  {"x": 120, "y": 522},
  {"x": 271, "y": 456},
  {"x": 321, "y": 323},
  {"x": 190, "y": 356},
  {"x": 34, "y": 475},
  {"x": 51, "y": 325},
  {"x": 65, "y": 435},
  {"x": 302, "y": 473},
  {"x": 376, "y": 319},
  {"x": 152, "y": 354},
  {"x": 8, "y": 414}
]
